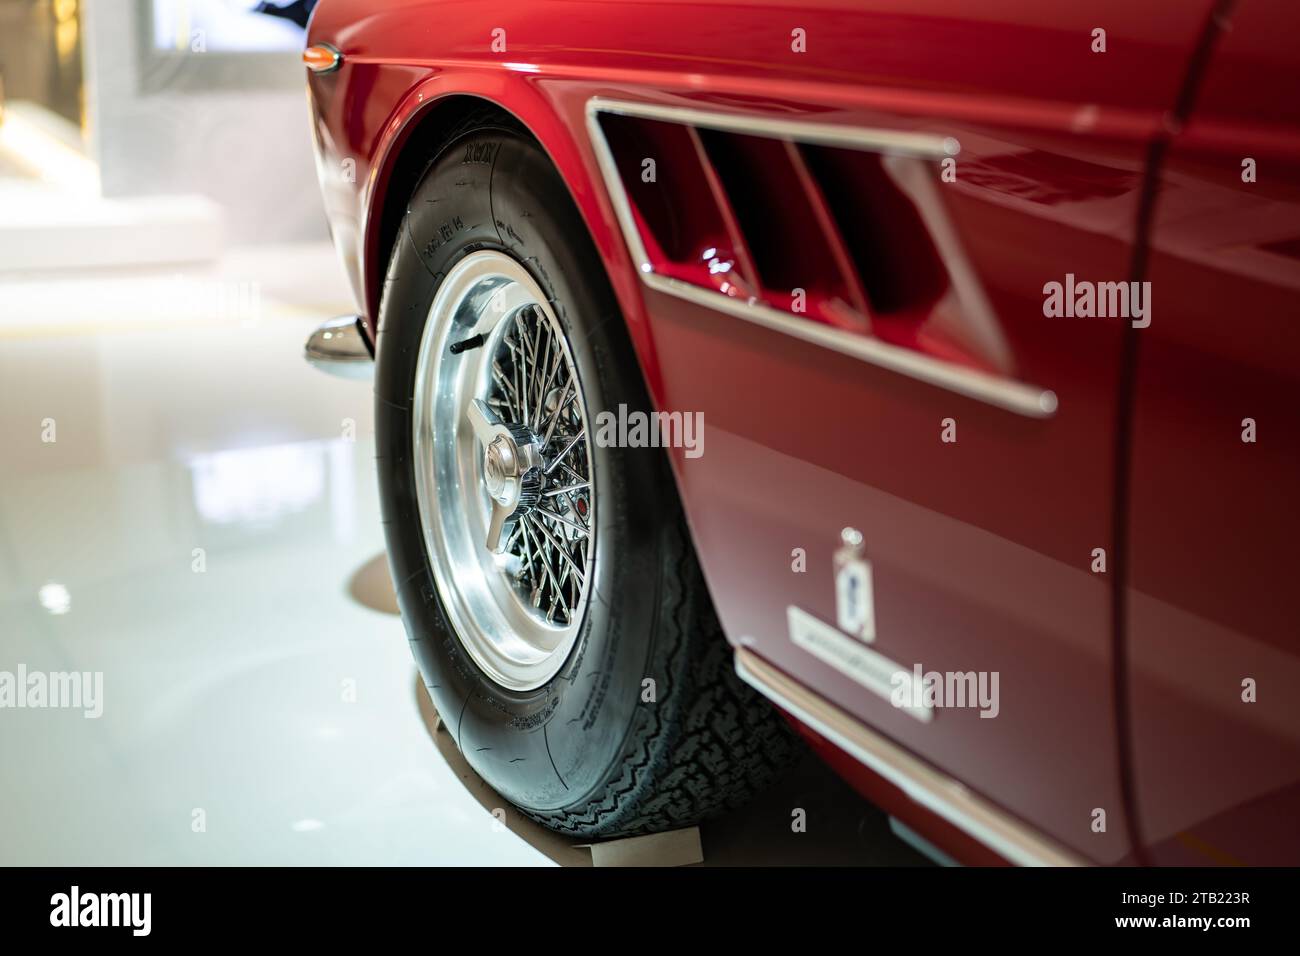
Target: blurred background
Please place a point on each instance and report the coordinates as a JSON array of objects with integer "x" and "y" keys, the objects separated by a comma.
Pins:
[
  {"x": 178, "y": 125},
  {"x": 186, "y": 508}
]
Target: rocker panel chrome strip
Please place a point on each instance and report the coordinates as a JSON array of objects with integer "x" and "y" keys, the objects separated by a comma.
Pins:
[{"x": 933, "y": 790}]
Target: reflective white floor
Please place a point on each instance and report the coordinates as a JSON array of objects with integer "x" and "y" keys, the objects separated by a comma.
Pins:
[
  {"x": 203, "y": 531},
  {"x": 194, "y": 532}
]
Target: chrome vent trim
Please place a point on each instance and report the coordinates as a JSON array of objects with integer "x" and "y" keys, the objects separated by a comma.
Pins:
[{"x": 1023, "y": 399}]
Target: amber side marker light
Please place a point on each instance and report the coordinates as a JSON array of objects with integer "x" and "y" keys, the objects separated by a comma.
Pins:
[{"x": 322, "y": 58}]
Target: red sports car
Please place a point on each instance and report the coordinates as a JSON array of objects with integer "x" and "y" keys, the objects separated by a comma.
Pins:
[{"x": 869, "y": 358}]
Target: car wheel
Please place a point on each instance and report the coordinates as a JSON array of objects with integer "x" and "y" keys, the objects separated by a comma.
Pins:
[{"x": 548, "y": 585}]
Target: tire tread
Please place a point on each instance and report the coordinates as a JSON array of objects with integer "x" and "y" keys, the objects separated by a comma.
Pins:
[{"x": 710, "y": 745}]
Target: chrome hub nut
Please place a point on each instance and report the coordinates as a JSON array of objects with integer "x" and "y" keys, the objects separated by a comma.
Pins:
[
  {"x": 499, "y": 471},
  {"x": 512, "y": 469}
]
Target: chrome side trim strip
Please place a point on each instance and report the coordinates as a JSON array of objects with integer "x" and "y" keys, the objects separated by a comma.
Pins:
[
  {"x": 1013, "y": 396},
  {"x": 933, "y": 790},
  {"x": 892, "y": 142},
  {"x": 1028, "y": 400},
  {"x": 919, "y": 843}
]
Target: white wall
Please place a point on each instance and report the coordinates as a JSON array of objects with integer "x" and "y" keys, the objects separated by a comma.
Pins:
[{"x": 248, "y": 150}]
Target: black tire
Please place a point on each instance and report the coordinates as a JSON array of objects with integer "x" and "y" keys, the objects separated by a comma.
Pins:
[{"x": 584, "y": 754}]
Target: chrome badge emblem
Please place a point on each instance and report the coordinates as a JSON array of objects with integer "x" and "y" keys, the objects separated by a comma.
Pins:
[{"x": 855, "y": 611}]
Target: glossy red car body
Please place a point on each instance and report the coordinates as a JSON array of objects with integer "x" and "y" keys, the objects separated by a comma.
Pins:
[{"x": 1122, "y": 690}]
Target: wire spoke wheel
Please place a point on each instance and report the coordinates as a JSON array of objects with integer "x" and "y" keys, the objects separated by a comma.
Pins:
[
  {"x": 534, "y": 387},
  {"x": 503, "y": 470},
  {"x": 546, "y": 578}
]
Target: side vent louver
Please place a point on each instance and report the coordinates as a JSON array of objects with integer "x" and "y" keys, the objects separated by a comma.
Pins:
[
  {"x": 890, "y": 247},
  {"x": 834, "y": 235},
  {"x": 784, "y": 223},
  {"x": 676, "y": 213}
]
